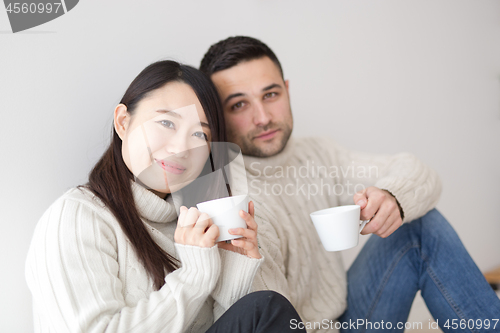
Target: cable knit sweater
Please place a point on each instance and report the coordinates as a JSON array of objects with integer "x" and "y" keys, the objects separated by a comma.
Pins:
[
  {"x": 85, "y": 276},
  {"x": 312, "y": 174}
]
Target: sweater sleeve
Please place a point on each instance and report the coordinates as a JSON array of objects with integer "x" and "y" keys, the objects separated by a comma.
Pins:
[
  {"x": 72, "y": 271},
  {"x": 272, "y": 274},
  {"x": 416, "y": 186},
  {"x": 235, "y": 280}
]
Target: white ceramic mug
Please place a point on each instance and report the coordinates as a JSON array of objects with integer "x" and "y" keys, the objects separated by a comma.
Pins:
[
  {"x": 338, "y": 227},
  {"x": 224, "y": 213}
]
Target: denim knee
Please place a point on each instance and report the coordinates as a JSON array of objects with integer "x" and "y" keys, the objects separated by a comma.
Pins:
[
  {"x": 435, "y": 223},
  {"x": 433, "y": 231}
]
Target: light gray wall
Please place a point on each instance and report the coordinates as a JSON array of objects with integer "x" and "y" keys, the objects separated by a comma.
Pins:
[{"x": 384, "y": 76}]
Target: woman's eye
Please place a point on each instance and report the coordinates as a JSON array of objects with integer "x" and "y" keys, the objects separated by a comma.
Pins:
[
  {"x": 167, "y": 123},
  {"x": 201, "y": 135},
  {"x": 269, "y": 95}
]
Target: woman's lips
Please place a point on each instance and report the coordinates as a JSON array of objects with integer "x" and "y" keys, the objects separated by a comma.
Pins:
[
  {"x": 267, "y": 135},
  {"x": 171, "y": 167}
]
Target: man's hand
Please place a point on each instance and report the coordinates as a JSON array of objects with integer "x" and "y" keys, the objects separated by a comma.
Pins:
[{"x": 382, "y": 208}]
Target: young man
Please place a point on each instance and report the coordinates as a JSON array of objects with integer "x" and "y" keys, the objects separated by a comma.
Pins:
[{"x": 289, "y": 178}]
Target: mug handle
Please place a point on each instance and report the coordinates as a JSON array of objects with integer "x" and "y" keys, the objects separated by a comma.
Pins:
[{"x": 362, "y": 224}]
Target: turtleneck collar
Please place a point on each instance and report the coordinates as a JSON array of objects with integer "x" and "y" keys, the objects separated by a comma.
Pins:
[
  {"x": 255, "y": 165},
  {"x": 153, "y": 208}
]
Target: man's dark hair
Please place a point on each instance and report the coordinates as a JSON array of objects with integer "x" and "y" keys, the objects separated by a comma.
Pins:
[{"x": 233, "y": 51}]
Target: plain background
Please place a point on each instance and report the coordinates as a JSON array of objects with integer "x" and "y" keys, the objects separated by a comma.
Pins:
[{"x": 385, "y": 76}]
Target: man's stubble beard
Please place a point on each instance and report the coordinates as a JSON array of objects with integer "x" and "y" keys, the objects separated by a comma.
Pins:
[{"x": 249, "y": 148}]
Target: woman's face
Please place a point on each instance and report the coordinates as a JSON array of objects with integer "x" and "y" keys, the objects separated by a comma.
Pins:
[{"x": 166, "y": 141}]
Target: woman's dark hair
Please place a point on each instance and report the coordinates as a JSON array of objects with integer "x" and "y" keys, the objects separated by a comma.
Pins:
[
  {"x": 234, "y": 50},
  {"x": 110, "y": 179}
]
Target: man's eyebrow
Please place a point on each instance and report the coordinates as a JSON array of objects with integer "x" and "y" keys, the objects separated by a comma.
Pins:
[
  {"x": 232, "y": 96},
  {"x": 269, "y": 87},
  {"x": 176, "y": 115},
  {"x": 272, "y": 86}
]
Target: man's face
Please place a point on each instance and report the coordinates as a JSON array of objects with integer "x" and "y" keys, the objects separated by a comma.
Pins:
[{"x": 256, "y": 106}]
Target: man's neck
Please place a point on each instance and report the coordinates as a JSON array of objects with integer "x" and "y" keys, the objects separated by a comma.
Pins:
[{"x": 255, "y": 165}]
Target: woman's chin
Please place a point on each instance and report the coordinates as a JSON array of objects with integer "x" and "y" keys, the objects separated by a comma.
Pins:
[
  {"x": 156, "y": 179},
  {"x": 159, "y": 186}
]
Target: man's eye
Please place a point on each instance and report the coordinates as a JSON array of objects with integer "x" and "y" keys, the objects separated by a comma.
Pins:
[
  {"x": 269, "y": 95},
  {"x": 201, "y": 135},
  {"x": 167, "y": 123},
  {"x": 237, "y": 106}
]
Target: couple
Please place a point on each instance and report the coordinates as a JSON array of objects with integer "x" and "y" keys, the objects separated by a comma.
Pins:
[{"x": 116, "y": 255}]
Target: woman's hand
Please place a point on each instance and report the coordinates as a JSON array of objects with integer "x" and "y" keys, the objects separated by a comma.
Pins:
[
  {"x": 247, "y": 245},
  {"x": 195, "y": 228}
]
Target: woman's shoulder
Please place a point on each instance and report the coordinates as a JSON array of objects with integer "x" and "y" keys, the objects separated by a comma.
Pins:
[
  {"x": 77, "y": 205},
  {"x": 84, "y": 195},
  {"x": 77, "y": 227},
  {"x": 80, "y": 197}
]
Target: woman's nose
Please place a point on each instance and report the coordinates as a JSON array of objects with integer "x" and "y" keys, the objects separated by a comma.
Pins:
[{"x": 177, "y": 145}]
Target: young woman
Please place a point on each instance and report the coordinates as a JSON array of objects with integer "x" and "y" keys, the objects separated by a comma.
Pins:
[{"x": 114, "y": 255}]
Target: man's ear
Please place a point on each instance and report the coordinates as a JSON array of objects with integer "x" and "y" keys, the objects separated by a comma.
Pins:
[
  {"x": 121, "y": 120},
  {"x": 286, "y": 85}
]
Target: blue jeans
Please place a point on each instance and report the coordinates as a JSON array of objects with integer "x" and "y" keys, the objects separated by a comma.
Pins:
[{"x": 425, "y": 255}]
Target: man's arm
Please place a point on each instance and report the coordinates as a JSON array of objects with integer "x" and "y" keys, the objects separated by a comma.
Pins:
[
  {"x": 398, "y": 188},
  {"x": 272, "y": 274}
]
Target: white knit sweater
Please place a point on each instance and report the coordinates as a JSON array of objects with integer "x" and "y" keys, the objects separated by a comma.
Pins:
[
  {"x": 85, "y": 276},
  {"x": 287, "y": 187}
]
